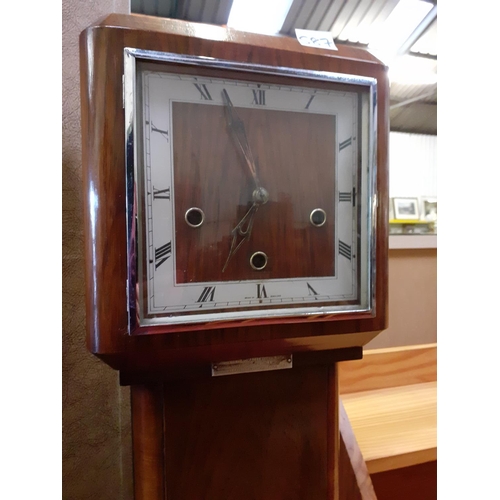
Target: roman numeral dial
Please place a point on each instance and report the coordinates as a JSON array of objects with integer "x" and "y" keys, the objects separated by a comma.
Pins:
[
  {"x": 259, "y": 97},
  {"x": 345, "y": 250},
  {"x": 207, "y": 295},
  {"x": 204, "y": 93},
  {"x": 249, "y": 205},
  {"x": 162, "y": 254},
  {"x": 161, "y": 194},
  {"x": 345, "y": 144}
]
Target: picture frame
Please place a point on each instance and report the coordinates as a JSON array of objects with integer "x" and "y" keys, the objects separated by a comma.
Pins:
[
  {"x": 429, "y": 208},
  {"x": 406, "y": 208}
]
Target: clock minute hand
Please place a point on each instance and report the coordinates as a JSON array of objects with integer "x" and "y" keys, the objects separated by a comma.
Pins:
[{"x": 237, "y": 129}]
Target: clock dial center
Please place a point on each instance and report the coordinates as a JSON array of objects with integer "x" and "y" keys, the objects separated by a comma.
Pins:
[{"x": 260, "y": 196}]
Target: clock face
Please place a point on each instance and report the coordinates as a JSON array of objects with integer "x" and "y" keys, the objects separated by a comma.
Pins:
[{"x": 252, "y": 194}]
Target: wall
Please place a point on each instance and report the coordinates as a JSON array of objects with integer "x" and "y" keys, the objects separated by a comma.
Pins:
[
  {"x": 413, "y": 165},
  {"x": 412, "y": 299},
  {"x": 412, "y": 273},
  {"x": 96, "y": 448}
]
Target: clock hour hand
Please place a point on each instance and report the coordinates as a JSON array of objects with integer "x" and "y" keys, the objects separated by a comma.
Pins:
[
  {"x": 242, "y": 230},
  {"x": 237, "y": 129}
]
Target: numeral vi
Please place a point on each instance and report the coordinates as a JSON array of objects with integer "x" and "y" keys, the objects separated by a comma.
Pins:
[{"x": 261, "y": 292}]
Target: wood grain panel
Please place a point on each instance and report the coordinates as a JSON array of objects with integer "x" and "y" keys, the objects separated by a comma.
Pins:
[
  {"x": 254, "y": 436},
  {"x": 395, "y": 427},
  {"x": 391, "y": 367},
  {"x": 355, "y": 482},
  {"x": 418, "y": 482},
  {"x": 210, "y": 174},
  {"x": 147, "y": 439}
]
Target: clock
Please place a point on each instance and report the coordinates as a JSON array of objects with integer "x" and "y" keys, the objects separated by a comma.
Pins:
[
  {"x": 236, "y": 193},
  {"x": 251, "y": 190}
]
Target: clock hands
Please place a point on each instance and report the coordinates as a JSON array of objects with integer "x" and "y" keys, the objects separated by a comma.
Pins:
[
  {"x": 237, "y": 129},
  {"x": 244, "y": 229},
  {"x": 260, "y": 196}
]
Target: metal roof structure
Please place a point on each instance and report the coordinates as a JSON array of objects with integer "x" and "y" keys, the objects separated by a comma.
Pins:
[{"x": 413, "y": 106}]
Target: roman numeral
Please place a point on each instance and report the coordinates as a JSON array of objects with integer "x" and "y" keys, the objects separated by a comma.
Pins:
[
  {"x": 309, "y": 101},
  {"x": 205, "y": 94},
  {"x": 259, "y": 97},
  {"x": 344, "y": 250},
  {"x": 207, "y": 294},
  {"x": 164, "y": 133},
  {"x": 345, "y": 144},
  {"x": 162, "y": 254},
  {"x": 261, "y": 291},
  {"x": 345, "y": 196},
  {"x": 311, "y": 290},
  {"x": 161, "y": 194}
]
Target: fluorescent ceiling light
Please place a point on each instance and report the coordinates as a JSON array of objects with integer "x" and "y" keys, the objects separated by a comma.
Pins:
[
  {"x": 397, "y": 28},
  {"x": 411, "y": 70},
  {"x": 259, "y": 16}
]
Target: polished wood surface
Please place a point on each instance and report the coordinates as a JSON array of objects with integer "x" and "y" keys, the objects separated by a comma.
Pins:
[
  {"x": 394, "y": 427},
  {"x": 103, "y": 151},
  {"x": 210, "y": 174},
  {"x": 355, "y": 482},
  {"x": 147, "y": 442},
  {"x": 266, "y": 436},
  {"x": 418, "y": 482},
  {"x": 389, "y": 367},
  {"x": 390, "y": 396}
]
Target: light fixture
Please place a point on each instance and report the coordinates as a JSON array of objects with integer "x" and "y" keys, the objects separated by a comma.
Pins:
[
  {"x": 259, "y": 16},
  {"x": 397, "y": 29},
  {"x": 412, "y": 70}
]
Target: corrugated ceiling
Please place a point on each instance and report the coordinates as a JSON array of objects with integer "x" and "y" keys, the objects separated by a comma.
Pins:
[{"x": 413, "y": 107}]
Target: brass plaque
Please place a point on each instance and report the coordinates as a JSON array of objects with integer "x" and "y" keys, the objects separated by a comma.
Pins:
[{"x": 249, "y": 365}]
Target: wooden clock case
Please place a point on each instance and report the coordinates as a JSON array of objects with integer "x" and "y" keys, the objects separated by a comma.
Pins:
[
  {"x": 268, "y": 435},
  {"x": 183, "y": 348}
]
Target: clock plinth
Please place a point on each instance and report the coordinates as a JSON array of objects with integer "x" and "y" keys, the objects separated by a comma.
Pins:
[
  {"x": 263, "y": 435},
  {"x": 236, "y": 207}
]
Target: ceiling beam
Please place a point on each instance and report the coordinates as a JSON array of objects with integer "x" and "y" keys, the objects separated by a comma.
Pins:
[
  {"x": 418, "y": 32},
  {"x": 413, "y": 99}
]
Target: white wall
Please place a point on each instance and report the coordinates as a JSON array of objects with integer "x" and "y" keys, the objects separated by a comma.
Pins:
[{"x": 412, "y": 165}]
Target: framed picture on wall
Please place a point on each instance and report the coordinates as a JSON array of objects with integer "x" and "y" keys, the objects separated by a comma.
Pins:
[
  {"x": 429, "y": 208},
  {"x": 405, "y": 208}
]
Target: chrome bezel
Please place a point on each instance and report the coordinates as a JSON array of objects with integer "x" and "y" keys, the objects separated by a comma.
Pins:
[{"x": 367, "y": 263}]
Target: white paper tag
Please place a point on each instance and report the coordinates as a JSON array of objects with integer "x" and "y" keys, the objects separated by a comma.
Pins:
[{"x": 319, "y": 39}]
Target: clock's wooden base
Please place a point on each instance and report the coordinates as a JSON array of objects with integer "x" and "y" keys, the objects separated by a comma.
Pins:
[{"x": 269, "y": 435}]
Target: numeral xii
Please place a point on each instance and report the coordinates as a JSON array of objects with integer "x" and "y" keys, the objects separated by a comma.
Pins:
[{"x": 259, "y": 97}]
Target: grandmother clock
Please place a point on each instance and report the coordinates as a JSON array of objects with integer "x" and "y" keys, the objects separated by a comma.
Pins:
[{"x": 236, "y": 247}]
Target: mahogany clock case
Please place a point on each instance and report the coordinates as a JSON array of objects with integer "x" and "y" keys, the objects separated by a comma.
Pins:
[{"x": 104, "y": 150}]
